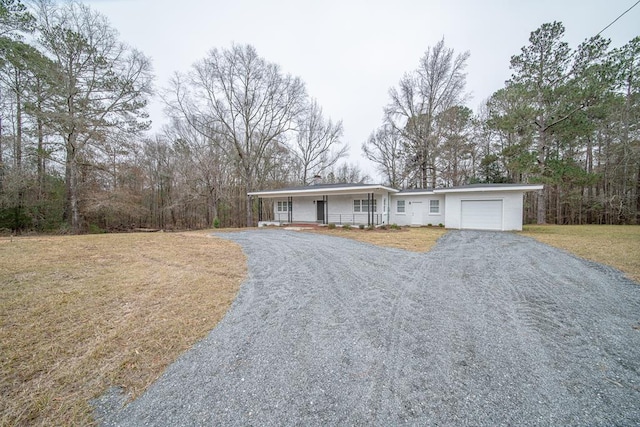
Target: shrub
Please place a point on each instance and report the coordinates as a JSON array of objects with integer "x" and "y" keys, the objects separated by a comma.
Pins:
[
  {"x": 347, "y": 226},
  {"x": 361, "y": 226},
  {"x": 216, "y": 222},
  {"x": 429, "y": 225},
  {"x": 331, "y": 226},
  {"x": 95, "y": 229},
  {"x": 395, "y": 226},
  {"x": 441, "y": 225}
]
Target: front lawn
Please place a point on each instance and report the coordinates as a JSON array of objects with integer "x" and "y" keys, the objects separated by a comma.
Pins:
[
  {"x": 79, "y": 314},
  {"x": 614, "y": 245}
]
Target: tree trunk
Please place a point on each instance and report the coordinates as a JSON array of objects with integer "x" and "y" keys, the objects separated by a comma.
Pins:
[
  {"x": 71, "y": 209},
  {"x": 73, "y": 197},
  {"x": 638, "y": 196},
  {"x": 249, "y": 211},
  {"x": 18, "y": 143},
  {"x": 1, "y": 159},
  {"x": 542, "y": 145},
  {"x": 40, "y": 156}
]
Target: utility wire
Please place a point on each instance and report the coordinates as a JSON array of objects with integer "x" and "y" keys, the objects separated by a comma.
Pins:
[{"x": 614, "y": 21}]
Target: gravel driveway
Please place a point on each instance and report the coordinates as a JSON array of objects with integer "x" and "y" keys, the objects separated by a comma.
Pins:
[{"x": 486, "y": 329}]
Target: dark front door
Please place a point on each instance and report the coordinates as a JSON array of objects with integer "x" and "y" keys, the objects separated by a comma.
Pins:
[{"x": 320, "y": 211}]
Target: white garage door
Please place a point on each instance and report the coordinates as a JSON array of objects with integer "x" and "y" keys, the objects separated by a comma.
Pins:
[{"x": 481, "y": 214}]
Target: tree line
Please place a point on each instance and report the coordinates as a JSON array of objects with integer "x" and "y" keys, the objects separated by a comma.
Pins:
[
  {"x": 567, "y": 118},
  {"x": 76, "y": 154}
]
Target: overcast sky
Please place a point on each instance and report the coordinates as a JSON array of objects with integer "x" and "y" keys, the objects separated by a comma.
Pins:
[{"x": 349, "y": 53}]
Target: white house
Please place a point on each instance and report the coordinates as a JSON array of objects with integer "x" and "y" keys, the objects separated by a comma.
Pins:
[{"x": 478, "y": 206}]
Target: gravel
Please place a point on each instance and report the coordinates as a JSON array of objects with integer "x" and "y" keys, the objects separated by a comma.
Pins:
[{"x": 488, "y": 328}]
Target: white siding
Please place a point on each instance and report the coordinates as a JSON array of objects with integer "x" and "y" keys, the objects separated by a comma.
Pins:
[
  {"x": 416, "y": 210},
  {"x": 304, "y": 210},
  {"x": 511, "y": 207},
  {"x": 340, "y": 209}
]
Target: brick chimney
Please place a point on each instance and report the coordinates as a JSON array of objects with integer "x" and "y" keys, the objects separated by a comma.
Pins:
[{"x": 317, "y": 180}]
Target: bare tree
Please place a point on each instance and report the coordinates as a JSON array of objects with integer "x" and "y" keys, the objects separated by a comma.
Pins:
[
  {"x": 436, "y": 85},
  {"x": 385, "y": 148},
  {"x": 318, "y": 145},
  {"x": 347, "y": 173},
  {"x": 244, "y": 102}
]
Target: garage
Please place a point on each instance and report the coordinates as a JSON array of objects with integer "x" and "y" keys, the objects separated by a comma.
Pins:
[{"x": 481, "y": 214}]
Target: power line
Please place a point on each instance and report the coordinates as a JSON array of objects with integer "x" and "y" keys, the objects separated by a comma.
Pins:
[{"x": 614, "y": 21}]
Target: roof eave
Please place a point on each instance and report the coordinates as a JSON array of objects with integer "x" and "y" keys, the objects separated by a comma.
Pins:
[
  {"x": 326, "y": 191},
  {"x": 525, "y": 187}
]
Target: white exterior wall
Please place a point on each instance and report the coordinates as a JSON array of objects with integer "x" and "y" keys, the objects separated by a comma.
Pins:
[
  {"x": 511, "y": 207},
  {"x": 340, "y": 209},
  {"x": 417, "y": 210},
  {"x": 304, "y": 210}
]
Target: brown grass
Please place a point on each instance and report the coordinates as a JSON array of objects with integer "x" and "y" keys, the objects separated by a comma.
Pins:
[
  {"x": 614, "y": 245},
  {"x": 411, "y": 239},
  {"x": 79, "y": 314}
]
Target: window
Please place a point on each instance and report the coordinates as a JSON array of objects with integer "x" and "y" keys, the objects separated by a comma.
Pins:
[
  {"x": 363, "y": 206},
  {"x": 400, "y": 206},
  {"x": 284, "y": 206},
  {"x": 384, "y": 204},
  {"x": 434, "y": 206}
]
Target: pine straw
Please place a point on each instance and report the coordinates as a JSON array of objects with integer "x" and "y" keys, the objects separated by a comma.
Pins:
[
  {"x": 79, "y": 314},
  {"x": 415, "y": 239},
  {"x": 615, "y": 245}
]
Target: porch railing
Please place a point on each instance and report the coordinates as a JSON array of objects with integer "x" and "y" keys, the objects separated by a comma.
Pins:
[
  {"x": 355, "y": 218},
  {"x": 339, "y": 219}
]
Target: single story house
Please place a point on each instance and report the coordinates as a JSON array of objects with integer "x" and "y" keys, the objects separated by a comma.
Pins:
[{"x": 477, "y": 206}]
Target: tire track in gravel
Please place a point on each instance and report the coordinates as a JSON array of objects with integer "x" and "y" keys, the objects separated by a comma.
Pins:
[{"x": 486, "y": 329}]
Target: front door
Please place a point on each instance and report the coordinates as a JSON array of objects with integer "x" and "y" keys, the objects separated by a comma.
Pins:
[
  {"x": 416, "y": 213},
  {"x": 320, "y": 211}
]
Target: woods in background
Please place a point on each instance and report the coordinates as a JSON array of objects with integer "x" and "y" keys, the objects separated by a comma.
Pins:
[
  {"x": 76, "y": 154},
  {"x": 567, "y": 118}
]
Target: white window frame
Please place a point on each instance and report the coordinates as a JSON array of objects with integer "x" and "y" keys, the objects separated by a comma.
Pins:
[
  {"x": 362, "y": 206},
  {"x": 399, "y": 206},
  {"x": 434, "y": 203},
  {"x": 283, "y": 206}
]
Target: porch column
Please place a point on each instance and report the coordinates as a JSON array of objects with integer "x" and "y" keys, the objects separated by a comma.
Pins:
[
  {"x": 325, "y": 199},
  {"x": 259, "y": 209},
  {"x": 290, "y": 209}
]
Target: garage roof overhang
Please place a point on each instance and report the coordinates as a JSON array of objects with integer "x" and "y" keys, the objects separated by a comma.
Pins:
[
  {"x": 482, "y": 188},
  {"x": 325, "y": 190}
]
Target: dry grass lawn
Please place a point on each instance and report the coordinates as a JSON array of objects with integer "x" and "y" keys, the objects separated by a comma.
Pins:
[
  {"x": 79, "y": 314},
  {"x": 411, "y": 239},
  {"x": 614, "y": 245}
]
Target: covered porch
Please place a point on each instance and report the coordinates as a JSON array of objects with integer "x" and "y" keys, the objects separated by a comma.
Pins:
[{"x": 339, "y": 204}]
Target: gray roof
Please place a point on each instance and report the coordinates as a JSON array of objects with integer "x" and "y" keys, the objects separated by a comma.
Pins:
[
  {"x": 416, "y": 190},
  {"x": 352, "y": 187},
  {"x": 327, "y": 186},
  {"x": 486, "y": 185}
]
